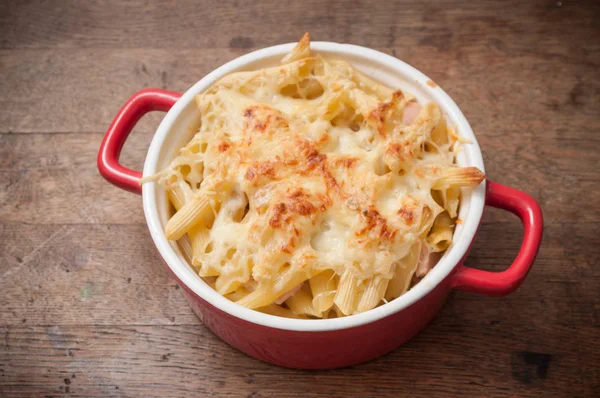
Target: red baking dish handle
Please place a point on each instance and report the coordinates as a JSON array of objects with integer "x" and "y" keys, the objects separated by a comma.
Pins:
[
  {"x": 142, "y": 102},
  {"x": 505, "y": 282}
]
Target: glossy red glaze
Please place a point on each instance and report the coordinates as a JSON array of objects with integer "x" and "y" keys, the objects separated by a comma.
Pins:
[
  {"x": 341, "y": 347},
  {"x": 323, "y": 349},
  {"x": 138, "y": 105},
  {"x": 505, "y": 282}
]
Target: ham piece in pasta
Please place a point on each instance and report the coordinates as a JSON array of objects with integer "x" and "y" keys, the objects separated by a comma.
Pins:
[{"x": 411, "y": 111}]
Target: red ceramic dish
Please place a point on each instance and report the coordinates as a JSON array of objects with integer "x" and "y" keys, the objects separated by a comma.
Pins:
[{"x": 328, "y": 343}]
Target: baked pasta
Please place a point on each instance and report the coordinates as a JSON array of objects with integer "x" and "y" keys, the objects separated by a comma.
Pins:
[{"x": 312, "y": 191}]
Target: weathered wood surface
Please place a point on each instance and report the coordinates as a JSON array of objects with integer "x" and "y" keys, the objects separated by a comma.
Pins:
[{"x": 86, "y": 308}]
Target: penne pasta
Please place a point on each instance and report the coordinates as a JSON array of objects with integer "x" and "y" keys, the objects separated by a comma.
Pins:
[
  {"x": 439, "y": 135},
  {"x": 179, "y": 194},
  {"x": 210, "y": 281},
  {"x": 200, "y": 238},
  {"x": 449, "y": 199},
  {"x": 347, "y": 292},
  {"x": 323, "y": 288},
  {"x": 269, "y": 291},
  {"x": 302, "y": 50},
  {"x": 373, "y": 294},
  {"x": 456, "y": 177},
  {"x": 227, "y": 283},
  {"x": 186, "y": 217},
  {"x": 233, "y": 274},
  {"x": 207, "y": 270},
  {"x": 405, "y": 269},
  {"x": 369, "y": 85},
  {"x": 335, "y": 312},
  {"x": 237, "y": 294},
  {"x": 186, "y": 248},
  {"x": 282, "y": 75},
  {"x": 277, "y": 310},
  {"x": 176, "y": 197},
  {"x": 301, "y": 303},
  {"x": 361, "y": 102},
  {"x": 201, "y": 244},
  {"x": 440, "y": 236},
  {"x": 310, "y": 190}
]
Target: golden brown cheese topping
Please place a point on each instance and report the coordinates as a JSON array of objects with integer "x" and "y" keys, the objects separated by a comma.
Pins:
[{"x": 311, "y": 174}]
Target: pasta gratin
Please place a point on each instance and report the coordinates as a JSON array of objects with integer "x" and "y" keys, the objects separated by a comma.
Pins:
[{"x": 312, "y": 191}]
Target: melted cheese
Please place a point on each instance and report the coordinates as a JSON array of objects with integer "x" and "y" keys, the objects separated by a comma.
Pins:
[{"x": 312, "y": 167}]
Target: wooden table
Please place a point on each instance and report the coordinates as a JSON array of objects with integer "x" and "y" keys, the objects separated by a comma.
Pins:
[{"x": 86, "y": 306}]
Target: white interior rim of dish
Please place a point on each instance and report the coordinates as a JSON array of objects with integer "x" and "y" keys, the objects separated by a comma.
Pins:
[{"x": 185, "y": 273}]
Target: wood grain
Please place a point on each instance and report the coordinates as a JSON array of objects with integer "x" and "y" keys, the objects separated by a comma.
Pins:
[
  {"x": 87, "y": 308},
  {"x": 42, "y": 172},
  {"x": 154, "y": 361},
  {"x": 78, "y": 274},
  {"x": 190, "y": 24}
]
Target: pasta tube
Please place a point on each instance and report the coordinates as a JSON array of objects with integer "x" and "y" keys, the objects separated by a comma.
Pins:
[
  {"x": 347, "y": 292},
  {"x": 323, "y": 290},
  {"x": 186, "y": 217},
  {"x": 373, "y": 294},
  {"x": 301, "y": 303}
]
